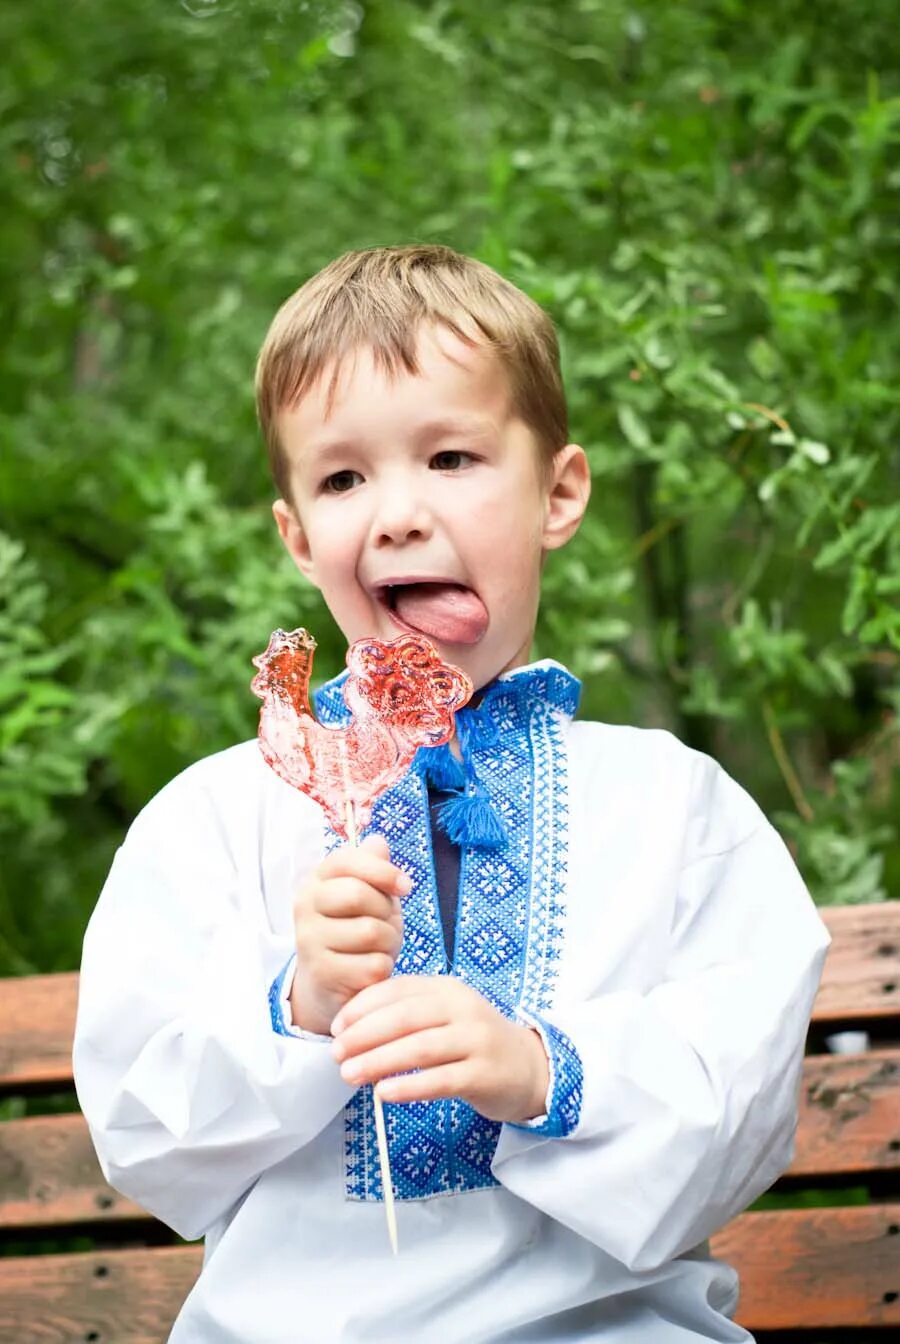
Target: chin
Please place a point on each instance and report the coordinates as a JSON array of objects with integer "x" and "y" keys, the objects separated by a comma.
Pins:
[{"x": 483, "y": 669}]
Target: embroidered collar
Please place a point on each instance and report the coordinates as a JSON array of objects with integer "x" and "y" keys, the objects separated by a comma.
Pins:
[
  {"x": 546, "y": 681},
  {"x": 506, "y": 705}
]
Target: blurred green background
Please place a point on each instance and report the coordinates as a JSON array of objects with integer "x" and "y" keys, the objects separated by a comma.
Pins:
[{"x": 705, "y": 197}]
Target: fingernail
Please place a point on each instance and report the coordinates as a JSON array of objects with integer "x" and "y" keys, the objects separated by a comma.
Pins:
[
  {"x": 337, "y": 1025},
  {"x": 338, "y": 1051},
  {"x": 350, "y": 1071},
  {"x": 403, "y": 885}
]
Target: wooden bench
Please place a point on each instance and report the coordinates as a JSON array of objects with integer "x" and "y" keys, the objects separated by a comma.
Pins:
[{"x": 807, "y": 1273}]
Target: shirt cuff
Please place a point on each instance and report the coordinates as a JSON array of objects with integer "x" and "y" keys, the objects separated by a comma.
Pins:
[
  {"x": 564, "y": 1091},
  {"x": 280, "y": 1005}
]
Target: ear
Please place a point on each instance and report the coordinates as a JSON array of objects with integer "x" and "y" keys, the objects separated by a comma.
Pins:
[
  {"x": 567, "y": 496},
  {"x": 294, "y": 538}
]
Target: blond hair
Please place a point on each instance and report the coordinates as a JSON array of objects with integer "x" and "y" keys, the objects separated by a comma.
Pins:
[{"x": 379, "y": 298}]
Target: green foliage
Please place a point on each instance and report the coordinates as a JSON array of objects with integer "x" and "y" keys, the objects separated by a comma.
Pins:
[
  {"x": 708, "y": 211},
  {"x": 843, "y": 851}
]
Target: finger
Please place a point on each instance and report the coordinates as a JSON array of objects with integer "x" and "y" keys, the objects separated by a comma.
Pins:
[
  {"x": 346, "y": 897},
  {"x": 395, "y": 918},
  {"x": 446, "y": 1080},
  {"x": 367, "y": 866},
  {"x": 380, "y": 996},
  {"x": 422, "y": 1050},
  {"x": 352, "y": 972},
  {"x": 362, "y": 934},
  {"x": 403, "y": 1018},
  {"x": 376, "y": 844}
]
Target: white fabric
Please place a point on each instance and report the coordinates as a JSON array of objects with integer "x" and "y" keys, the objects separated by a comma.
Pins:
[{"x": 691, "y": 958}]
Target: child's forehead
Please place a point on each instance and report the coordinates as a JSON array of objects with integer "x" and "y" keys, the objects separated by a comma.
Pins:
[{"x": 453, "y": 379}]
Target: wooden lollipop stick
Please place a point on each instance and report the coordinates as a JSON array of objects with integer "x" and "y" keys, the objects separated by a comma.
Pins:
[
  {"x": 385, "y": 1165},
  {"x": 384, "y": 1161}
]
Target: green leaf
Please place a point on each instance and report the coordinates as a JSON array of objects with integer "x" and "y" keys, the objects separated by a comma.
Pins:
[{"x": 633, "y": 427}]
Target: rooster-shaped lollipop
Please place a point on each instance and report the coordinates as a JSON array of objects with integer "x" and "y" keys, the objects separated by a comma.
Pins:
[{"x": 401, "y": 696}]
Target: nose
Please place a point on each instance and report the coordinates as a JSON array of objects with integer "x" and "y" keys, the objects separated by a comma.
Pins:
[{"x": 401, "y": 515}]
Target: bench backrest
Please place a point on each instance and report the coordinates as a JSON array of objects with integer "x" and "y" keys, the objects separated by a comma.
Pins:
[{"x": 802, "y": 1269}]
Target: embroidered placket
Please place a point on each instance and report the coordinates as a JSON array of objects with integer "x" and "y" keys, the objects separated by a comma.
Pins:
[{"x": 509, "y": 933}]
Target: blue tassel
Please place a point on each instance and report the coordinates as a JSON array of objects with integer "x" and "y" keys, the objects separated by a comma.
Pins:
[
  {"x": 471, "y": 820},
  {"x": 442, "y": 770}
]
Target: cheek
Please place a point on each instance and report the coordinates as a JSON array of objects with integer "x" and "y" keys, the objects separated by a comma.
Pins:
[
  {"x": 511, "y": 526},
  {"x": 331, "y": 541},
  {"x": 507, "y": 556}
]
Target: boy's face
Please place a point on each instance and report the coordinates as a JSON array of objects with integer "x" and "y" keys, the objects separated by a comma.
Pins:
[{"x": 420, "y": 503}]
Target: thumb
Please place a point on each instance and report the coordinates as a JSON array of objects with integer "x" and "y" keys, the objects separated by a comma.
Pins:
[{"x": 376, "y": 844}]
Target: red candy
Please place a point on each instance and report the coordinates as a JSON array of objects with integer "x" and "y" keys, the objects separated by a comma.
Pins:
[{"x": 401, "y": 697}]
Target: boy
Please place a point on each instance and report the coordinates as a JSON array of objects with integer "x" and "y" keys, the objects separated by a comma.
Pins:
[{"x": 575, "y": 959}]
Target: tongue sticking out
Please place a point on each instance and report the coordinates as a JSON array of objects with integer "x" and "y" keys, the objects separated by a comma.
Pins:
[{"x": 442, "y": 611}]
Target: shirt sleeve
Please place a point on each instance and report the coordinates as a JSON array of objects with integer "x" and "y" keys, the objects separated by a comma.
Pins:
[
  {"x": 188, "y": 1091},
  {"x": 678, "y": 1105},
  {"x": 562, "y": 1103},
  {"x": 280, "y": 1009}
]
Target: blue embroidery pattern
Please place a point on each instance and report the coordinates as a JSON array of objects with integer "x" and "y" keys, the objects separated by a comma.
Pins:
[
  {"x": 275, "y": 1001},
  {"x": 510, "y": 924},
  {"x": 566, "y": 1081}
]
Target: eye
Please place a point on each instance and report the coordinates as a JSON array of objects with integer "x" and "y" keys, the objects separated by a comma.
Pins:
[
  {"x": 451, "y": 460},
  {"x": 339, "y": 482}
]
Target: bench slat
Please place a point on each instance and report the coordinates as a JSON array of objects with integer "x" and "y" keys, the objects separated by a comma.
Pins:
[
  {"x": 810, "y": 1268},
  {"x": 815, "y": 1268},
  {"x": 37, "y": 1023},
  {"x": 861, "y": 978},
  {"x": 849, "y": 1114},
  {"x": 849, "y": 1108},
  {"x": 130, "y": 1297},
  {"x": 50, "y": 1176}
]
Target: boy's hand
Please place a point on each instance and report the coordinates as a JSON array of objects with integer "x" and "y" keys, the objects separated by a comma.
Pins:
[
  {"x": 349, "y": 928},
  {"x": 463, "y": 1046}
]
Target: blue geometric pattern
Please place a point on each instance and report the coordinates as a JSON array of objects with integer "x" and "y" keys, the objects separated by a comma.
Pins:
[
  {"x": 510, "y": 923},
  {"x": 275, "y": 1012},
  {"x": 566, "y": 1081}
]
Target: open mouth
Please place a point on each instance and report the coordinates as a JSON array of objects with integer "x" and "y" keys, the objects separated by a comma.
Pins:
[{"x": 439, "y": 609}]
